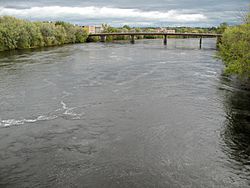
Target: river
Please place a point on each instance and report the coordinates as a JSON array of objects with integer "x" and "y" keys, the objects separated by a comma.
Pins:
[{"x": 121, "y": 115}]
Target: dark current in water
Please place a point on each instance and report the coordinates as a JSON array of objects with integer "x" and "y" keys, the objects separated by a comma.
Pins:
[{"x": 120, "y": 115}]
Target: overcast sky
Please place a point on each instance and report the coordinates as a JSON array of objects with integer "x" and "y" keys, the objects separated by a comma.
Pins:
[{"x": 131, "y": 12}]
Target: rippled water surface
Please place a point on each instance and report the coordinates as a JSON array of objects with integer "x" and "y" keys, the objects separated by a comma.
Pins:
[{"x": 122, "y": 115}]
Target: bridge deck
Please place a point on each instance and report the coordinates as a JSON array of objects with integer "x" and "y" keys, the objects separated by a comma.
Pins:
[
  {"x": 154, "y": 33},
  {"x": 133, "y": 34}
]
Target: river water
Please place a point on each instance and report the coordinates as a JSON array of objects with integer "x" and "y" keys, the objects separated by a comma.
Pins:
[{"x": 122, "y": 115}]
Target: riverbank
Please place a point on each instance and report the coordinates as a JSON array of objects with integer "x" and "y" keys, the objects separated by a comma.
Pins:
[
  {"x": 21, "y": 34},
  {"x": 234, "y": 50}
]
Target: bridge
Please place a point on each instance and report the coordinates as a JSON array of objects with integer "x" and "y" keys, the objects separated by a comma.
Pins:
[{"x": 165, "y": 35}]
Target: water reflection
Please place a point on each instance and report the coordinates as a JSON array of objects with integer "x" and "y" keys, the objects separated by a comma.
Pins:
[{"x": 236, "y": 133}]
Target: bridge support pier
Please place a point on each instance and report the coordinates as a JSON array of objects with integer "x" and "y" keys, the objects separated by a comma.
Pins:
[
  {"x": 200, "y": 42},
  {"x": 132, "y": 37},
  {"x": 165, "y": 40},
  {"x": 103, "y": 38}
]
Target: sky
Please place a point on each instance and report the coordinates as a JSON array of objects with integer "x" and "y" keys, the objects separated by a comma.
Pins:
[{"x": 143, "y": 13}]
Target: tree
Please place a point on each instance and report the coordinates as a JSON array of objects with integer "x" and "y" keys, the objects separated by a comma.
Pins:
[
  {"x": 81, "y": 35},
  {"x": 126, "y": 27},
  {"x": 235, "y": 50},
  {"x": 9, "y": 32},
  {"x": 48, "y": 31},
  {"x": 60, "y": 34},
  {"x": 35, "y": 35},
  {"x": 223, "y": 26}
]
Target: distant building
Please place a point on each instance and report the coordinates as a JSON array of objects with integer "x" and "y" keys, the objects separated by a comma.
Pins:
[
  {"x": 170, "y": 31},
  {"x": 90, "y": 29},
  {"x": 158, "y": 30},
  {"x": 164, "y": 30},
  {"x": 98, "y": 29},
  {"x": 94, "y": 29}
]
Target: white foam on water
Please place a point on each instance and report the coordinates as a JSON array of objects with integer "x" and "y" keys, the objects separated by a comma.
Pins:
[
  {"x": 200, "y": 75},
  {"x": 61, "y": 112},
  {"x": 63, "y": 105},
  {"x": 70, "y": 111},
  {"x": 9, "y": 122},
  {"x": 113, "y": 56},
  {"x": 211, "y": 72},
  {"x": 31, "y": 120},
  {"x": 15, "y": 122},
  {"x": 44, "y": 118}
]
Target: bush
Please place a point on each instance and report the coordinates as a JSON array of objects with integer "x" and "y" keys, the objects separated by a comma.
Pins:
[
  {"x": 235, "y": 50},
  {"x": 81, "y": 35},
  {"x": 93, "y": 39}
]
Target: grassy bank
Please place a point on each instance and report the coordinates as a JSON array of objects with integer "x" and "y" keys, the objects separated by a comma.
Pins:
[
  {"x": 21, "y": 34},
  {"x": 235, "y": 50}
]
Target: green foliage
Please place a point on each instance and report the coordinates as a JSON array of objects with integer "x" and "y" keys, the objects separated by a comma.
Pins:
[
  {"x": 35, "y": 36},
  {"x": 247, "y": 21},
  {"x": 10, "y": 34},
  {"x": 21, "y": 34},
  {"x": 126, "y": 27},
  {"x": 222, "y": 28},
  {"x": 81, "y": 35},
  {"x": 194, "y": 29},
  {"x": 92, "y": 39},
  {"x": 1, "y": 41},
  {"x": 138, "y": 30},
  {"x": 108, "y": 29},
  {"x": 71, "y": 33},
  {"x": 235, "y": 50},
  {"x": 60, "y": 35}
]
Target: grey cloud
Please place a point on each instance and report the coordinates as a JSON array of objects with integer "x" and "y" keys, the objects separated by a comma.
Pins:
[{"x": 216, "y": 11}]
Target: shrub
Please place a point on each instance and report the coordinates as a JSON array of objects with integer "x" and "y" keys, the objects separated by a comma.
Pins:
[{"x": 235, "y": 50}]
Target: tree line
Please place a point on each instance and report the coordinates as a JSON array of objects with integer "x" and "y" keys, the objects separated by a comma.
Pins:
[{"x": 21, "y": 34}]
